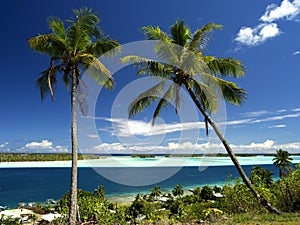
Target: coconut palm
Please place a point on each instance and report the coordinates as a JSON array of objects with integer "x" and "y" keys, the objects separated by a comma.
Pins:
[
  {"x": 282, "y": 160},
  {"x": 260, "y": 176},
  {"x": 155, "y": 192},
  {"x": 178, "y": 191},
  {"x": 71, "y": 49},
  {"x": 182, "y": 61}
]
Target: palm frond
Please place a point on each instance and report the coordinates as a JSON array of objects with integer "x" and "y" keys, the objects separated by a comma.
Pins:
[
  {"x": 97, "y": 70},
  {"x": 232, "y": 93},
  {"x": 88, "y": 21},
  {"x": 225, "y": 66},
  {"x": 107, "y": 46},
  {"x": 180, "y": 33},
  {"x": 145, "y": 99},
  {"x": 78, "y": 38},
  {"x": 44, "y": 44},
  {"x": 201, "y": 38},
  {"x": 169, "y": 52},
  {"x": 66, "y": 80},
  {"x": 205, "y": 94},
  {"x": 167, "y": 97},
  {"x": 57, "y": 26},
  {"x": 148, "y": 66},
  {"x": 47, "y": 81},
  {"x": 154, "y": 33}
]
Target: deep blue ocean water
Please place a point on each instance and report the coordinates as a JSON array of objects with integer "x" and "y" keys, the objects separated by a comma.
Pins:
[{"x": 38, "y": 184}]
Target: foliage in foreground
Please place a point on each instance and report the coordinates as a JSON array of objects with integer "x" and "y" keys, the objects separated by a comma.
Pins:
[{"x": 237, "y": 206}]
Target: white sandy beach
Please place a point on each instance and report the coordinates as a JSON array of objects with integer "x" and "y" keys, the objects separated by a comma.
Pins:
[{"x": 127, "y": 161}]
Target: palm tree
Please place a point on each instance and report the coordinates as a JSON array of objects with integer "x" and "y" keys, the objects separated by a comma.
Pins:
[
  {"x": 183, "y": 53},
  {"x": 70, "y": 49},
  {"x": 282, "y": 160},
  {"x": 155, "y": 192},
  {"x": 260, "y": 176},
  {"x": 178, "y": 191}
]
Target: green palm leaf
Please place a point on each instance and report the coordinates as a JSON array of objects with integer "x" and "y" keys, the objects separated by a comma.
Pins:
[
  {"x": 147, "y": 66},
  {"x": 154, "y": 33},
  {"x": 145, "y": 99},
  {"x": 200, "y": 38},
  {"x": 225, "y": 66},
  {"x": 180, "y": 33},
  {"x": 167, "y": 98}
]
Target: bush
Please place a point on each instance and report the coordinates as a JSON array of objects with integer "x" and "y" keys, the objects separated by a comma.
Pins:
[
  {"x": 239, "y": 199},
  {"x": 207, "y": 193}
]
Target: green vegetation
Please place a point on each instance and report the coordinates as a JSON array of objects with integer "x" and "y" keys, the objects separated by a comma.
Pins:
[
  {"x": 143, "y": 156},
  {"x": 31, "y": 157},
  {"x": 282, "y": 160}
]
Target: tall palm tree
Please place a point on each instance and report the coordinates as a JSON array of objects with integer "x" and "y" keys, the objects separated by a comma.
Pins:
[
  {"x": 71, "y": 49},
  {"x": 282, "y": 160},
  {"x": 183, "y": 53}
]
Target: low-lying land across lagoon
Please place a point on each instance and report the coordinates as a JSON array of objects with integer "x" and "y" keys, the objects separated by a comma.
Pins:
[{"x": 158, "y": 161}]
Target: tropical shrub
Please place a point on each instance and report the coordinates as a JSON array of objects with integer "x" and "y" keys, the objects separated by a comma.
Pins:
[
  {"x": 287, "y": 191},
  {"x": 238, "y": 199},
  {"x": 207, "y": 193}
]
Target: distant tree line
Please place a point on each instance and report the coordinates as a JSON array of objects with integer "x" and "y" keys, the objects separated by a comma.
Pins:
[{"x": 30, "y": 157}]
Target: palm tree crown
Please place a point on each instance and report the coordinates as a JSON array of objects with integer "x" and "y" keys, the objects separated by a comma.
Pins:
[
  {"x": 155, "y": 192},
  {"x": 282, "y": 160},
  {"x": 177, "y": 191},
  {"x": 183, "y": 53},
  {"x": 69, "y": 48}
]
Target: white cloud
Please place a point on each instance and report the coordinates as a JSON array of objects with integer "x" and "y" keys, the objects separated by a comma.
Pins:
[
  {"x": 255, "y": 113},
  {"x": 275, "y": 118},
  {"x": 3, "y": 145},
  {"x": 122, "y": 127},
  {"x": 255, "y": 36},
  {"x": 287, "y": 9},
  {"x": 127, "y": 128},
  {"x": 277, "y": 126},
  {"x": 296, "y": 53},
  {"x": 42, "y": 144},
  {"x": 268, "y": 146},
  {"x": 281, "y": 110}
]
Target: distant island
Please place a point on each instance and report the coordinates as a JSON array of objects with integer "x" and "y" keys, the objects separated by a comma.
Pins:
[
  {"x": 42, "y": 157},
  {"x": 33, "y": 157}
]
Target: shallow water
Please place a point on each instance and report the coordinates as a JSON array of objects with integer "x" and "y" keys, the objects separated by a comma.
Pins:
[{"x": 121, "y": 183}]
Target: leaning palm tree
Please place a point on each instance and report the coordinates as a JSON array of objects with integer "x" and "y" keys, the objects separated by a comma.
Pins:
[
  {"x": 281, "y": 161},
  {"x": 71, "y": 49},
  {"x": 183, "y": 65}
]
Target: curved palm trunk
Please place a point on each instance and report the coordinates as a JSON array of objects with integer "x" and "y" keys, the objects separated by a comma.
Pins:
[
  {"x": 73, "y": 204},
  {"x": 242, "y": 173}
]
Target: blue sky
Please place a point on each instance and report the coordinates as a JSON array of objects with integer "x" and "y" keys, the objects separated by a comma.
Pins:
[{"x": 264, "y": 35}]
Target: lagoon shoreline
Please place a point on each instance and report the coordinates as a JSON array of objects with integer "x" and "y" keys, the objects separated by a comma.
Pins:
[{"x": 159, "y": 161}]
